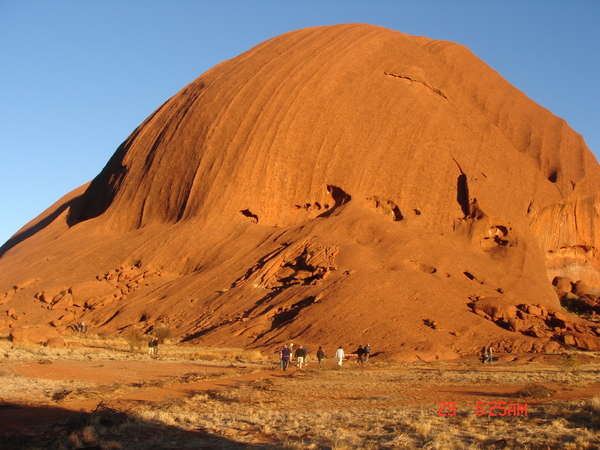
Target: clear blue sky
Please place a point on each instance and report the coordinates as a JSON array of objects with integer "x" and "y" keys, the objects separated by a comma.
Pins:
[{"x": 77, "y": 76}]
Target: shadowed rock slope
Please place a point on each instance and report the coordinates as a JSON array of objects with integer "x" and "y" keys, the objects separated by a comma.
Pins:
[{"x": 333, "y": 185}]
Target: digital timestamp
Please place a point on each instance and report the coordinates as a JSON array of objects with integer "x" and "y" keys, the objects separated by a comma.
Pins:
[{"x": 490, "y": 409}]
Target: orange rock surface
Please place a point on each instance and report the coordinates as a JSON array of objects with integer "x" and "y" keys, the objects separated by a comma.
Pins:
[{"x": 333, "y": 185}]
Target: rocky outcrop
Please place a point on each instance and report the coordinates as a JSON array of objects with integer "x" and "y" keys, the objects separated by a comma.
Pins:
[
  {"x": 33, "y": 334},
  {"x": 334, "y": 185},
  {"x": 569, "y": 233},
  {"x": 536, "y": 321},
  {"x": 578, "y": 297}
]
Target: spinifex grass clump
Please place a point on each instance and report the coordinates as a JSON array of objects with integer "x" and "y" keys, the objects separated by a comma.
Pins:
[
  {"x": 135, "y": 338},
  {"x": 571, "y": 362},
  {"x": 534, "y": 390}
]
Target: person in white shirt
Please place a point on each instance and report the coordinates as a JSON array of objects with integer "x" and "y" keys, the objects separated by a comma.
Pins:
[{"x": 339, "y": 355}]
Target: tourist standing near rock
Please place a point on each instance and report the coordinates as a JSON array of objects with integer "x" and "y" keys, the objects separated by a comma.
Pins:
[
  {"x": 339, "y": 355},
  {"x": 367, "y": 352}
]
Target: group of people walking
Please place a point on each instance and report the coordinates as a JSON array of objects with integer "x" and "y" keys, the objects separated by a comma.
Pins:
[
  {"x": 487, "y": 354},
  {"x": 300, "y": 353},
  {"x": 287, "y": 353},
  {"x": 363, "y": 354},
  {"x": 153, "y": 347}
]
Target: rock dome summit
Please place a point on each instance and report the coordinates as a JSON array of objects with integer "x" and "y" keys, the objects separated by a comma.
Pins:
[{"x": 339, "y": 184}]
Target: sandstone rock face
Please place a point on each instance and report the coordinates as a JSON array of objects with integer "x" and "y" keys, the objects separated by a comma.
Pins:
[
  {"x": 333, "y": 185},
  {"x": 563, "y": 285},
  {"x": 56, "y": 342},
  {"x": 33, "y": 334}
]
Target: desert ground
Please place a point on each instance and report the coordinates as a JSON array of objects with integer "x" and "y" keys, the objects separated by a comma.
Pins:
[{"x": 110, "y": 394}]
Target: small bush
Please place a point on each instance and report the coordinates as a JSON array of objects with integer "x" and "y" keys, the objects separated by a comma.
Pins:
[
  {"x": 571, "y": 362},
  {"x": 162, "y": 332},
  {"x": 593, "y": 405},
  {"x": 534, "y": 390},
  {"x": 135, "y": 338}
]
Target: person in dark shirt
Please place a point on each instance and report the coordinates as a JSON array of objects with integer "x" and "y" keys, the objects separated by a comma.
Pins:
[
  {"x": 320, "y": 356},
  {"x": 301, "y": 356},
  {"x": 359, "y": 353},
  {"x": 285, "y": 355},
  {"x": 367, "y": 352}
]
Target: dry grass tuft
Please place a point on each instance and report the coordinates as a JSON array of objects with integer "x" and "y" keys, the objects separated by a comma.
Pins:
[
  {"x": 594, "y": 406},
  {"x": 135, "y": 338},
  {"x": 534, "y": 390},
  {"x": 571, "y": 362}
]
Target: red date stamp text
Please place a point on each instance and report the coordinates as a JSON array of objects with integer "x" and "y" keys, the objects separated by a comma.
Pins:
[{"x": 490, "y": 409}]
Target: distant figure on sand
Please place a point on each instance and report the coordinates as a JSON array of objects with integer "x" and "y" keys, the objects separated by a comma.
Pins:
[
  {"x": 359, "y": 353},
  {"x": 490, "y": 355},
  {"x": 285, "y": 355},
  {"x": 487, "y": 354},
  {"x": 153, "y": 347},
  {"x": 320, "y": 356},
  {"x": 339, "y": 355},
  {"x": 301, "y": 356},
  {"x": 367, "y": 351}
]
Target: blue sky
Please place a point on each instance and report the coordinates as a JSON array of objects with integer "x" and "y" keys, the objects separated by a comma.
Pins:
[{"x": 77, "y": 76}]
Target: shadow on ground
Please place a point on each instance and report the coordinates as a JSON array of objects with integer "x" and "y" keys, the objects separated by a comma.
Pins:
[{"x": 27, "y": 426}]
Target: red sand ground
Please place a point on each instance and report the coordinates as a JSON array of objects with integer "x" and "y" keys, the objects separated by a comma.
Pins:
[{"x": 24, "y": 417}]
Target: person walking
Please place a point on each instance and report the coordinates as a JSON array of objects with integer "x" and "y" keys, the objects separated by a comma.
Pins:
[
  {"x": 359, "y": 353},
  {"x": 339, "y": 355},
  {"x": 320, "y": 357},
  {"x": 367, "y": 352},
  {"x": 490, "y": 355},
  {"x": 301, "y": 356},
  {"x": 285, "y": 354}
]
